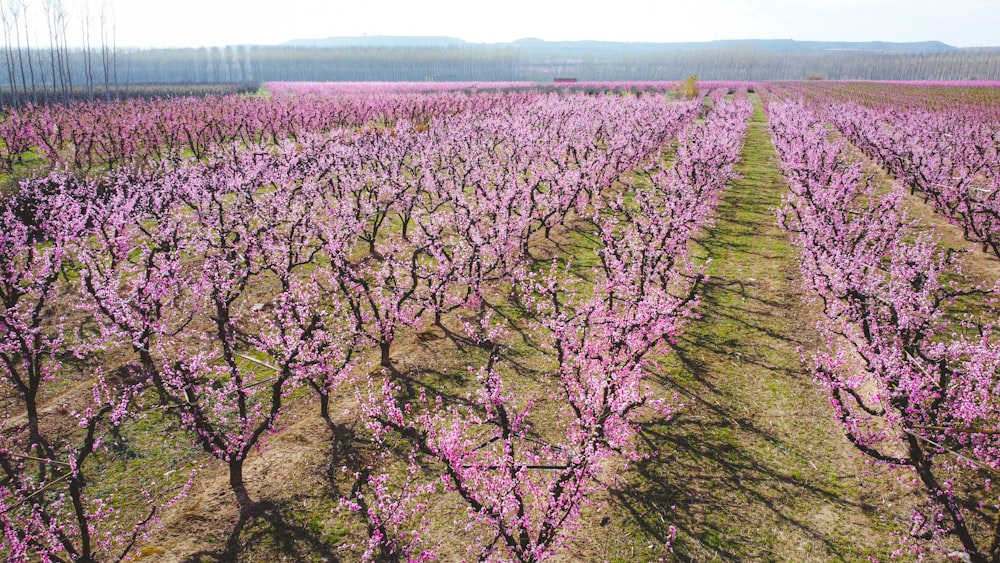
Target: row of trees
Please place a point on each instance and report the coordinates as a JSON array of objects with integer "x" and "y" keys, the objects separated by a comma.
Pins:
[
  {"x": 88, "y": 135},
  {"x": 41, "y": 73},
  {"x": 496, "y": 63},
  {"x": 752, "y": 64},
  {"x": 951, "y": 155},
  {"x": 911, "y": 380}
]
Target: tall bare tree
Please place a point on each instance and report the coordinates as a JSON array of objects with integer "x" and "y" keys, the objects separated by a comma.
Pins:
[
  {"x": 88, "y": 64},
  {"x": 57, "y": 21},
  {"x": 9, "y": 24}
]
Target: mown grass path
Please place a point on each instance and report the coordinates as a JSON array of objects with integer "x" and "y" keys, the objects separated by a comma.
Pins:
[{"x": 754, "y": 468}]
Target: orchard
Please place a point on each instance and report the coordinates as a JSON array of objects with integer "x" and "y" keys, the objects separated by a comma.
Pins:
[{"x": 493, "y": 304}]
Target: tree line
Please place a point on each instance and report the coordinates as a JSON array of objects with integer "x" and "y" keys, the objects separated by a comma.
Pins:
[
  {"x": 43, "y": 71},
  {"x": 39, "y": 73},
  {"x": 57, "y": 50}
]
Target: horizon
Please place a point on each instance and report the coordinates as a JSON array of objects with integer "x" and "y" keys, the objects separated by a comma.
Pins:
[{"x": 522, "y": 39}]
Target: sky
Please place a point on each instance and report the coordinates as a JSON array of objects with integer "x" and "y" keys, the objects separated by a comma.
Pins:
[{"x": 195, "y": 23}]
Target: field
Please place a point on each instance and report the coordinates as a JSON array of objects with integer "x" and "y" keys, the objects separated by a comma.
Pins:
[{"x": 606, "y": 322}]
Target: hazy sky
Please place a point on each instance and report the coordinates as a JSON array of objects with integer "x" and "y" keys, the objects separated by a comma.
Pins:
[{"x": 191, "y": 23}]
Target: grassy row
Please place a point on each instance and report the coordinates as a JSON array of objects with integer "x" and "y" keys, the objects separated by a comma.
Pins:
[{"x": 754, "y": 468}]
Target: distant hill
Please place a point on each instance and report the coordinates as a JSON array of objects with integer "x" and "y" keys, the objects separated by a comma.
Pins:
[
  {"x": 535, "y": 45},
  {"x": 376, "y": 41}
]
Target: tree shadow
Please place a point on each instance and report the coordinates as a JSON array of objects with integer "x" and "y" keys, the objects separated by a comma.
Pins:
[
  {"x": 414, "y": 380},
  {"x": 280, "y": 524},
  {"x": 715, "y": 462},
  {"x": 274, "y": 524}
]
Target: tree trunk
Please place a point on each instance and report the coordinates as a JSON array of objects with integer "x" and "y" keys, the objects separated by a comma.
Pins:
[
  {"x": 76, "y": 495},
  {"x": 386, "y": 361},
  {"x": 238, "y": 486},
  {"x": 324, "y": 405},
  {"x": 34, "y": 429}
]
